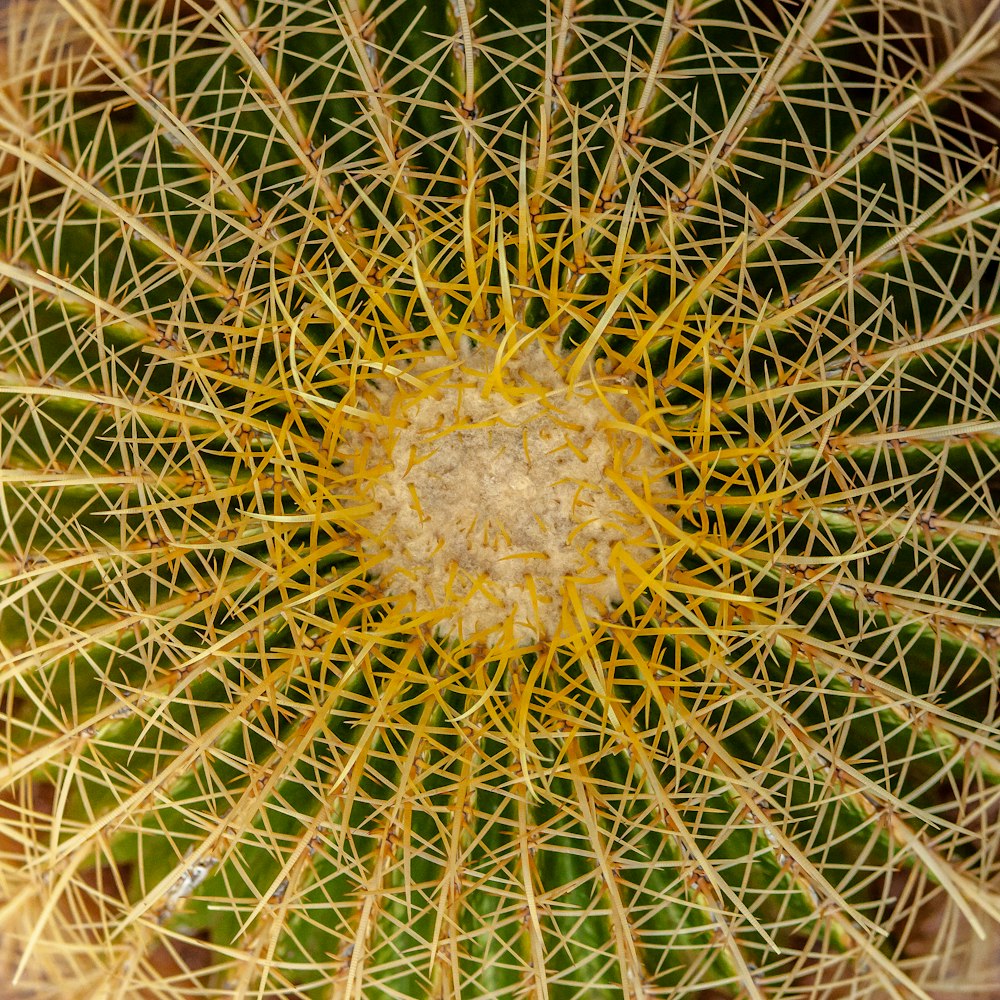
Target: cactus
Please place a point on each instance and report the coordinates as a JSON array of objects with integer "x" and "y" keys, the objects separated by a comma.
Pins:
[{"x": 498, "y": 500}]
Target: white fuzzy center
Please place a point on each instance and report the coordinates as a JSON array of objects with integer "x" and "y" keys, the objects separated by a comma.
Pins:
[{"x": 504, "y": 510}]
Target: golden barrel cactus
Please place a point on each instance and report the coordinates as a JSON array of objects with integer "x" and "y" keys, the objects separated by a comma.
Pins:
[{"x": 497, "y": 500}]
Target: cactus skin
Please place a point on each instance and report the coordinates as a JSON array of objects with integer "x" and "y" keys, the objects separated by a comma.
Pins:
[{"x": 234, "y": 763}]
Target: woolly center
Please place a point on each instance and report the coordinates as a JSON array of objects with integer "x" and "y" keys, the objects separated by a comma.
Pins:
[{"x": 500, "y": 507}]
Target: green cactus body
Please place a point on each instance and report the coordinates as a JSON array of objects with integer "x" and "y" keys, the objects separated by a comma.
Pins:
[{"x": 498, "y": 500}]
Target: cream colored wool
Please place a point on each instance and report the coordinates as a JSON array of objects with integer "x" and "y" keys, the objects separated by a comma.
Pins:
[{"x": 497, "y": 504}]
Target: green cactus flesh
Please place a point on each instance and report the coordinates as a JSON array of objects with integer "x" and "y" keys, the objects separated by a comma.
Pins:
[{"x": 497, "y": 501}]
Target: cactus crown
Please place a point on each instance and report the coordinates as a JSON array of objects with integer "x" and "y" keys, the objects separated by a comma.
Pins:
[
  {"x": 496, "y": 496},
  {"x": 497, "y": 500}
]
